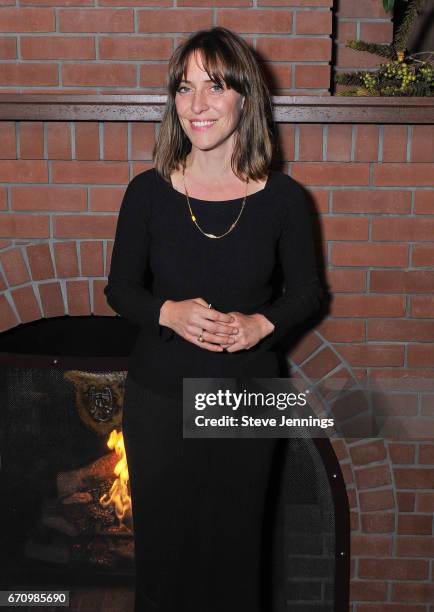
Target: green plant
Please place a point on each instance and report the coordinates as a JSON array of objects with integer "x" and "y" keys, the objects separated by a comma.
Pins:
[{"x": 403, "y": 75}]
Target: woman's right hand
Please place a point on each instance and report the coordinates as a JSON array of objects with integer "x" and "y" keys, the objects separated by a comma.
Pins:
[{"x": 190, "y": 318}]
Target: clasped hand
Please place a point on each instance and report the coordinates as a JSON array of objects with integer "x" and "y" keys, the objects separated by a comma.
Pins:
[{"x": 232, "y": 331}]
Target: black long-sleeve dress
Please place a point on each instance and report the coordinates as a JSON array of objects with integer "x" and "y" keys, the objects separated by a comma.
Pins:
[{"x": 199, "y": 504}]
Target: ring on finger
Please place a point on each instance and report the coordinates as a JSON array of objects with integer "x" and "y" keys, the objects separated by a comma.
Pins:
[{"x": 200, "y": 337}]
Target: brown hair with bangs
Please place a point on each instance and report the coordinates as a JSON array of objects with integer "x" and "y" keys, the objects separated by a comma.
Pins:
[{"x": 226, "y": 58}]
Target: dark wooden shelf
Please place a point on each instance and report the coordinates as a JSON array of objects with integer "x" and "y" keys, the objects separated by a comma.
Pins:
[{"x": 286, "y": 109}]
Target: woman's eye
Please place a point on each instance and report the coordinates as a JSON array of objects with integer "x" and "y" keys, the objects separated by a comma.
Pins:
[{"x": 184, "y": 87}]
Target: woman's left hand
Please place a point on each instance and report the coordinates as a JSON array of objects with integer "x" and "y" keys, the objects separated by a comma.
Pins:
[{"x": 251, "y": 329}]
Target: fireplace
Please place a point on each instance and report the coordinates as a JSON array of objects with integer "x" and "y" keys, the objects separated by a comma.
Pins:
[
  {"x": 58, "y": 411},
  {"x": 61, "y": 385}
]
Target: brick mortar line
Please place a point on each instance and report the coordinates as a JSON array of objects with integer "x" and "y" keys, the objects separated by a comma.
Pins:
[
  {"x": 54, "y": 279},
  {"x": 101, "y": 89},
  {"x": 325, "y": 142},
  {"x": 363, "y": 19},
  {"x": 354, "y": 137},
  {"x": 203, "y": 9},
  {"x": 3, "y": 275},
  {"x": 384, "y": 461},
  {"x": 24, "y": 255},
  {"x": 62, "y": 284},
  {"x": 90, "y": 288},
  {"x": 45, "y": 139},
  {"x": 135, "y": 20},
  {"x": 73, "y": 138},
  {"x": 101, "y": 139},
  {"x": 89, "y": 34},
  {"x": 11, "y": 302},
  {"x": 396, "y": 242},
  {"x": 78, "y": 254},
  {"x": 96, "y": 41},
  {"x": 106, "y": 267},
  {"x": 144, "y": 62},
  {"x": 108, "y": 34},
  {"x": 409, "y": 144},
  {"x": 129, "y": 145},
  {"x": 17, "y": 139}
]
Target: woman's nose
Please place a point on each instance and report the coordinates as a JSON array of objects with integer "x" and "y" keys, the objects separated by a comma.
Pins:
[{"x": 198, "y": 102}]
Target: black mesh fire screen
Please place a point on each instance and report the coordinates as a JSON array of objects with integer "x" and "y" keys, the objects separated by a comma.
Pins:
[{"x": 58, "y": 472}]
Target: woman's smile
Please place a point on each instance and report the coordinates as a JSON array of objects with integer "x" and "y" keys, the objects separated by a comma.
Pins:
[{"x": 201, "y": 126}]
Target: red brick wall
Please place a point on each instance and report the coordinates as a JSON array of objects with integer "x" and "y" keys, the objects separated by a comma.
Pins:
[
  {"x": 123, "y": 47},
  {"x": 120, "y": 47},
  {"x": 61, "y": 187},
  {"x": 62, "y": 183}
]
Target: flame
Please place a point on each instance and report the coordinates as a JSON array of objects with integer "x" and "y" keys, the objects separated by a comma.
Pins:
[{"x": 119, "y": 494}]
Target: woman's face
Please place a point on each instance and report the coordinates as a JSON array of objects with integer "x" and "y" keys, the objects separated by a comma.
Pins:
[{"x": 199, "y": 99}]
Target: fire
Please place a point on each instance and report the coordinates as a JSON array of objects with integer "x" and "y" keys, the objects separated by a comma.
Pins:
[{"x": 119, "y": 494}]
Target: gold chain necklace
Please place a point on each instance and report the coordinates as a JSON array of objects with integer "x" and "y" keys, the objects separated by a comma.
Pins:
[{"x": 193, "y": 218}]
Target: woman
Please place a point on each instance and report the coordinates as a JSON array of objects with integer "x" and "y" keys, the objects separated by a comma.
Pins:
[{"x": 198, "y": 241}]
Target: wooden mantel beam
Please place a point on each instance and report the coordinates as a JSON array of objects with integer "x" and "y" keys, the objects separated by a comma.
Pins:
[{"x": 286, "y": 109}]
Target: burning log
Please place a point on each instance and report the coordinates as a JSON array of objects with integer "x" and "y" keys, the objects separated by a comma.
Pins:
[
  {"x": 81, "y": 497},
  {"x": 68, "y": 519},
  {"x": 122, "y": 548},
  {"x": 59, "y": 523},
  {"x": 90, "y": 522},
  {"x": 86, "y": 477},
  {"x": 84, "y": 516}
]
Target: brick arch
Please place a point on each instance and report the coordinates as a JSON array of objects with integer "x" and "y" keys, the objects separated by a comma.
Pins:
[
  {"x": 53, "y": 278},
  {"x": 366, "y": 466}
]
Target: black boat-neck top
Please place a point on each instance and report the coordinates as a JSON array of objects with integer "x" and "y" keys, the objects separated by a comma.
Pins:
[{"x": 159, "y": 254}]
